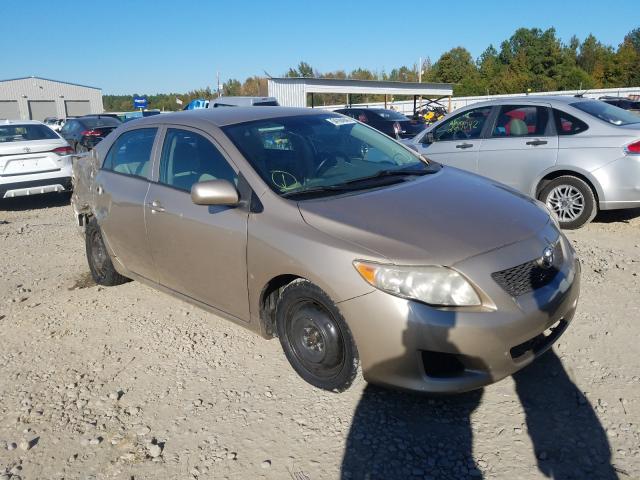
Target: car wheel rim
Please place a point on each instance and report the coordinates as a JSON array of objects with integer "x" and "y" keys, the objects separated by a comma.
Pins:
[
  {"x": 98, "y": 254},
  {"x": 567, "y": 202},
  {"x": 315, "y": 339}
]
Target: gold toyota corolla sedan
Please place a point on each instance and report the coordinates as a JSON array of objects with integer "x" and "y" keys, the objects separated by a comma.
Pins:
[{"x": 350, "y": 248}]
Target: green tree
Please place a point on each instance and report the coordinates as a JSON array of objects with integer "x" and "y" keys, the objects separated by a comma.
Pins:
[{"x": 232, "y": 87}]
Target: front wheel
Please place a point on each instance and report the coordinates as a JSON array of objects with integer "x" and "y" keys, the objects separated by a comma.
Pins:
[
  {"x": 571, "y": 199},
  {"x": 102, "y": 269},
  {"x": 315, "y": 337}
]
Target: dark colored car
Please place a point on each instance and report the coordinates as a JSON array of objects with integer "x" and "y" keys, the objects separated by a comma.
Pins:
[
  {"x": 390, "y": 122},
  {"x": 624, "y": 103},
  {"x": 84, "y": 133}
]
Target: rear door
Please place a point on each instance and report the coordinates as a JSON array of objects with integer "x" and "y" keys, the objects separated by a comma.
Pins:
[
  {"x": 121, "y": 188},
  {"x": 521, "y": 144},
  {"x": 457, "y": 141},
  {"x": 199, "y": 250}
]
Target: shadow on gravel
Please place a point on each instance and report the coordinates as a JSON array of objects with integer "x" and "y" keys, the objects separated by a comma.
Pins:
[
  {"x": 613, "y": 216},
  {"x": 35, "y": 202},
  {"x": 397, "y": 435},
  {"x": 567, "y": 437}
]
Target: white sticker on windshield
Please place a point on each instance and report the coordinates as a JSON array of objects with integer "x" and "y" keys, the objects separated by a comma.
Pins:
[{"x": 337, "y": 121}]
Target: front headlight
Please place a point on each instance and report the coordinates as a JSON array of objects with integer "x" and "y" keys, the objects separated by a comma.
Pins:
[{"x": 429, "y": 284}]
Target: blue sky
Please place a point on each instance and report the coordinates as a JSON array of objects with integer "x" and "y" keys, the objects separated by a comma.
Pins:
[{"x": 150, "y": 46}]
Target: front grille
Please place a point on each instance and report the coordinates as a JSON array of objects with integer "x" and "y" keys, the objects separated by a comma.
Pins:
[{"x": 529, "y": 276}]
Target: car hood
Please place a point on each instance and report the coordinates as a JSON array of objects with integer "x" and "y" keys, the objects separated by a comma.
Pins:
[{"x": 442, "y": 218}]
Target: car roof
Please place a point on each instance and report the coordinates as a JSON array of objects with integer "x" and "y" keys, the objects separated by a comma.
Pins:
[
  {"x": 20, "y": 122},
  {"x": 221, "y": 117},
  {"x": 552, "y": 99}
]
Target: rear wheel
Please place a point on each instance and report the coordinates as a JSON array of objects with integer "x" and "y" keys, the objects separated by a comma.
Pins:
[
  {"x": 315, "y": 337},
  {"x": 571, "y": 199},
  {"x": 100, "y": 264}
]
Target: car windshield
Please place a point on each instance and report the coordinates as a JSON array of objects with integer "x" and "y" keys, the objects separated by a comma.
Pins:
[
  {"x": 323, "y": 154},
  {"x": 100, "y": 122},
  {"x": 390, "y": 115},
  {"x": 22, "y": 133},
  {"x": 608, "y": 113}
]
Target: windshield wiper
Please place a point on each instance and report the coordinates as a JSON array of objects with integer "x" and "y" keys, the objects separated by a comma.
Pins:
[
  {"x": 393, "y": 176},
  {"x": 315, "y": 190}
]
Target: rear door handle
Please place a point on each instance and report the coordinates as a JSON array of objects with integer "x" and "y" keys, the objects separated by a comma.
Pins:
[
  {"x": 464, "y": 145},
  {"x": 156, "y": 206},
  {"x": 535, "y": 143}
]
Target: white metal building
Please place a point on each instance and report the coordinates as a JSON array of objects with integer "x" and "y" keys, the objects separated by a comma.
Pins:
[
  {"x": 292, "y": 92},
  {"x": 36, "y": 98}
]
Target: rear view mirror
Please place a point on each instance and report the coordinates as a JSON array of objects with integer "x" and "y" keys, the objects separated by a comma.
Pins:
[{"x": 215, "y": 192}]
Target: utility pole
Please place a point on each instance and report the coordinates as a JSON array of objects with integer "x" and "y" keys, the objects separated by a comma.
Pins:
[{"x": 218, "y": 83}]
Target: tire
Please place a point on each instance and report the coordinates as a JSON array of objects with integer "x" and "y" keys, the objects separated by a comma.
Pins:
[
  {"x": 571, "y": 199},
  {"x": 315, "y": 337},
  {"x": 100, "y": 264}
]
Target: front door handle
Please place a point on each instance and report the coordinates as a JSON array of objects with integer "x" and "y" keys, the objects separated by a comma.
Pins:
[
  {"x": 535, "y": 143},
  {"x": 464, "y": 145},
  {"x": 156, "y": 206},
  {"x": 99, "y": 190}
]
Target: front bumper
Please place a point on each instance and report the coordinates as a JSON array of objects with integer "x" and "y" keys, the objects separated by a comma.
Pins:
[{"x": 397, "y": 339}]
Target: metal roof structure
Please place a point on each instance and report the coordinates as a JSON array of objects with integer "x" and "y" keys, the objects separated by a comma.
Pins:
[
  {"x": 49, "y": 80},
  {"x": 292, "y": 91}
]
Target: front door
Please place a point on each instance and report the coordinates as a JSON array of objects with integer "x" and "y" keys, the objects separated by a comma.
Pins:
[
  {"x": 121, "y": 187},
  {"x": 456, "y": 142},
  {"x": 199, "y": 250},
  {"x": 521, "y": 145}
]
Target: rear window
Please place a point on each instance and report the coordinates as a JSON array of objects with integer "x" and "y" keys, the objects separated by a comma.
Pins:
[
  {"x": 100, "y": 122},
  {"x": 607, "y": 113},
  {"x": 22, "y": 133},
  {"x": 390, "y": 115},
  {"x": 270, "y": 103}
]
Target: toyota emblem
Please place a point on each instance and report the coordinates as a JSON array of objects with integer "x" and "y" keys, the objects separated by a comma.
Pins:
[{"x": 546, "y": 261}]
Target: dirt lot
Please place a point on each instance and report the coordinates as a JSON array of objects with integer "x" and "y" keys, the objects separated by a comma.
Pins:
[{"x": 128, "y": 383}]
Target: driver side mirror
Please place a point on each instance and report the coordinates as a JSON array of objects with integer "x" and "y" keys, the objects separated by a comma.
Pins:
[{"x": 215, "y": 192}]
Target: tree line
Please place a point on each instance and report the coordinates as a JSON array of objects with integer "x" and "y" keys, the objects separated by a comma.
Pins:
[{"x": 530, "y": 60}]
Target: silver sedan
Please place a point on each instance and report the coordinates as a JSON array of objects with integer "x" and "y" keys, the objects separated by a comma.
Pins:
[{"x": 575, "y": 154}]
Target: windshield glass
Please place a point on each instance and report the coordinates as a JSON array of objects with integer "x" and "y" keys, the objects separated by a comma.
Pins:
[
  {"x": 390, "y": 115},
  {"x": 608, "y": 113},
  {"x": 100, "y": 122},
  {"x": 21, "y": 133},
  {"x": 317, "y": 152}
]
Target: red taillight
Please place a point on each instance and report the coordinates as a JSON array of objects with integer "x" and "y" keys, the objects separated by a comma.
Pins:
[
  {"x": 634, "y": 148},
  {"x": 63, "y": 150},
  {"x": 91, "y": 133}
]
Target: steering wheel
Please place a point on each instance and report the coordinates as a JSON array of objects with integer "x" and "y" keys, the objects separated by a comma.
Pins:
[
  {"x": 328, "y": 160},
  {"x": 283, "y": 180}
]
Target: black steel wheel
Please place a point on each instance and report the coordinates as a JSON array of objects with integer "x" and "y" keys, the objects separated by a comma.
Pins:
[
  {"x": 102, "y": 269},
  {"x": 315, "y": 338}
]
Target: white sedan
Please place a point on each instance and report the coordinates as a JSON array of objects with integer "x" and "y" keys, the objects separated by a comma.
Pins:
[{"x": 33, "y": 159}]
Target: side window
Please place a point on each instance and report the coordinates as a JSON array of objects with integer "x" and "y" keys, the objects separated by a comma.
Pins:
[
  {"x": 188, "y": 158},
  {"x": 466, "y": 126},
  {"x": 65, "y": 128},
  {"x": 520, "y": 121},
  {"x": 131, "y": 153},
  {"x": 568, "y": 124}
]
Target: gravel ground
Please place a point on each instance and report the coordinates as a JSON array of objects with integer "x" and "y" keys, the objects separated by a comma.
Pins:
[{"x": 126, "y": 382}]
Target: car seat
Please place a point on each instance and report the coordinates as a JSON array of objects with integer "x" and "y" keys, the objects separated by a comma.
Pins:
[{"x": 517, "y": 127}]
